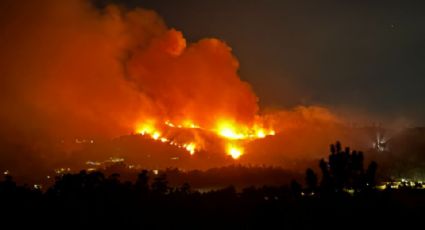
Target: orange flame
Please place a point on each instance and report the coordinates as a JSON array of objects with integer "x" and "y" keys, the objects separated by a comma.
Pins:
[
  {"x": 234, "y": 151},
  {"x": 227, "y": 130}
]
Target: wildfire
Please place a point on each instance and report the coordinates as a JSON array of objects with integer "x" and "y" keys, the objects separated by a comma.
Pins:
[
  {"x": 145, "y": 128},
  {"x": 191, "y": 147},
  {"x": 230, "y": 132},
  {"x": 156, "y": 135},
  {"x": 234, "y": 151}
]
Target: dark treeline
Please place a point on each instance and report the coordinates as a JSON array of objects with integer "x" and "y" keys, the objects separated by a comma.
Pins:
[
  {"x": 239, "y": 176},
  {"x": 343, "y": 197}
]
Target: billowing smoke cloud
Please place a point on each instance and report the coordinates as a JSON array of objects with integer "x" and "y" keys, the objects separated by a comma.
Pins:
[{"x": 68, "y": 69}]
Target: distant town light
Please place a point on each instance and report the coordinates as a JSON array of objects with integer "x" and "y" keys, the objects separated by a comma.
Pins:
[{"x": 37, "y": 186}]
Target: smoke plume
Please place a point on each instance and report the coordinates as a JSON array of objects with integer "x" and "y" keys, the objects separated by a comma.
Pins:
[{"x": 68, "y": 69}]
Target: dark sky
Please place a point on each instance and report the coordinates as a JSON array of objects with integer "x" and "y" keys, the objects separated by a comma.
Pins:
[{"x": 368, "y": 56}]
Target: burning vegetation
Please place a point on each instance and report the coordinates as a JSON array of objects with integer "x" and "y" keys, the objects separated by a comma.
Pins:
[{"x": 232, "y": 136}]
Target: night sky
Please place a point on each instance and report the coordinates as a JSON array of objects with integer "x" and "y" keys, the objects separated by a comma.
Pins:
[{"x": 361, "y": 56}]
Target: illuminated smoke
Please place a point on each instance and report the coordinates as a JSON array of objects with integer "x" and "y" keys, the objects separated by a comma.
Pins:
[{"x": 68, "y": 69}]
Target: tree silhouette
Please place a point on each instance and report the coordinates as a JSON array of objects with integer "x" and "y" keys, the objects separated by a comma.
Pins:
[
  {"x": 296, "y": 188},
  {"x": 311, "y": 180},
  {"x": 160, "y": 185},
  {"x": 100, "y": 201},
  {"x": 142, "y": 182},
  {"x": 185, "y": 189},
  {"x": 343, "y": 170},
  {"x": 326, "y": 182},
  {"x": 370, "y": 174}
]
